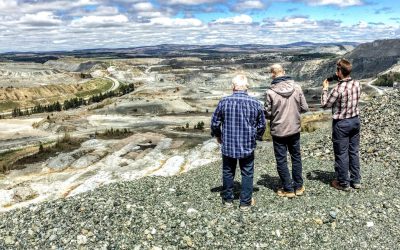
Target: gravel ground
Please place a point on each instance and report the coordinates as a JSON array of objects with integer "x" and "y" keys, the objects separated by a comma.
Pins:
[{"x": 185, "y": 211}]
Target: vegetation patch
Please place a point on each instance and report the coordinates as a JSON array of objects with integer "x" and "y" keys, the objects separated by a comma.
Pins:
[
  {"x": 100, "y": 86},
  {"x": 45, "y": 151},
  {"x": 114, "y": 134},
  {"x": 388, "y": 80}
]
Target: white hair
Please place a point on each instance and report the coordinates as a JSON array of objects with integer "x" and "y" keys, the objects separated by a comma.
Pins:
[
  {"x": 277, "y": 69},
  {"x": 240, "y": 82}
]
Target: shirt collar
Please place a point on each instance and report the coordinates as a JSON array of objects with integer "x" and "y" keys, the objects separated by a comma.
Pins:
[
  {"x": 240, "y": 92},
  {"x": 347, "y": 79}
]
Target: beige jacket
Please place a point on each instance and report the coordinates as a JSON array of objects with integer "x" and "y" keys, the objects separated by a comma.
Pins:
[{"x": 284, "y": 101}]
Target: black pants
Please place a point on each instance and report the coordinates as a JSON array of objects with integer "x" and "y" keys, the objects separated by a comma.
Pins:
[
  {"x": 281, "y": 145},
  {"x": 346, "y": 145}
]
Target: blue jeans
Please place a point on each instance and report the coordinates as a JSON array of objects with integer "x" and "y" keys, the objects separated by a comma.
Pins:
[
  {"x": 228, "y": 174},
  {"x": 346, "y": 145},
  {"x": 281, "y": 146}
]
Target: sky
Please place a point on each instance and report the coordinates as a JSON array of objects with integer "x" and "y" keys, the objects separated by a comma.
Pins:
[{"x": 48, "y": 25}]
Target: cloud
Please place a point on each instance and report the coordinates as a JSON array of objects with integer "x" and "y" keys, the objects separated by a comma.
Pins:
[
  {"x": 176, "y": 22},
  {"x": 7, "y": 4},
  {"x": 100, "y": 21},
  {"x": 43, "y": 18},
  {"x": 242, "y": 19},
  {"x": 383, "y": 10},
  {"x": 340, "y": 3},
  {"x": 189, "y": 2},
  {"x": 248, "y": 5},
  {"x": 143, "y": 7}
]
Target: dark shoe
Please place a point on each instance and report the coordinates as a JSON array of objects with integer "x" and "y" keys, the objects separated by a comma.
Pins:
[
  {"x": 283, "y": 193},
  {"x": 337, "y": 185},
  {"x": 246, "y": 208},
  {"x": 227, "y": 204},
  {"x": 356, "y": 185},
  {"x": 300, "y": 191}
]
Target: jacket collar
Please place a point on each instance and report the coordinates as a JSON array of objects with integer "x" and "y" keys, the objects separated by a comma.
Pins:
[{"x": 281, "y": 79}]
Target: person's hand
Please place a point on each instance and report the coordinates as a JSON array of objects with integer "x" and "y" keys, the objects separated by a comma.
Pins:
[
  {"x": 219, "y": 140},
  {"x": 325, "y": 85}
]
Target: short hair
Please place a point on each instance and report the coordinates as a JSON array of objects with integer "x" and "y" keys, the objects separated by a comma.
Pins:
[
  {"x": 277, "y": 69},
  {"x": 345, "y": 66},
  {"x": 240, "y": 82}
]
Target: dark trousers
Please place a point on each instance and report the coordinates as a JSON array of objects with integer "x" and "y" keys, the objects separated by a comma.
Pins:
[
  {"x": 228, "y": 174},
  {"x": 346, "y": 145},
  {"x": 281, "y": 145}
]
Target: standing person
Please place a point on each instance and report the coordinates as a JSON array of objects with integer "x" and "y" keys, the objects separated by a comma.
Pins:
[
  {"x": 242, "y": 120},
  {"x": 344, "y": 99},
  {"x": 284, "y": 101}
]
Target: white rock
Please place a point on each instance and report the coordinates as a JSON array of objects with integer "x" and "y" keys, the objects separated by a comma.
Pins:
[
  {"x": 370, "y": 224},
  {"x": 171, "y": 167},
  {"x": 6, "y": 197},
  {"x": 61, "y": 161},
  {"x": 101, "y": 178},
  {"x": 85, "y": 161},
  {"x": 81, "y": 239}
]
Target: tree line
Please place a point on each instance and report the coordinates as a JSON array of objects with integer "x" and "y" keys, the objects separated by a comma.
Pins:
[{"x": 73, "y": 103}]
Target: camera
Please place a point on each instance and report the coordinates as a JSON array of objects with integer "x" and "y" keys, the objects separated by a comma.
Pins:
[{"x": 333, "y": 78}]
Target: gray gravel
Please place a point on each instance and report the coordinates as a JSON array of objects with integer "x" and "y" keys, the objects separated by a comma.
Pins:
[{"x": 185, "y": 211}]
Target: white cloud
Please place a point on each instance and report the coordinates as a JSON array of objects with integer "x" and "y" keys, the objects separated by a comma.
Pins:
[
  {"x": 176, "y": 22},
  {"x": 362, "y": 24},
  {"x": 43, "y": 18},
  {"x": 242, "y": 19},
  {"x": 340, "y": 3},
  {"x": 7, "y": 4},
  {"x": 143, "y": 7},
  {"x": 189, "y": 2},
  {"x": 249, "y": 4},
  {"x": 100, "y": 21}
]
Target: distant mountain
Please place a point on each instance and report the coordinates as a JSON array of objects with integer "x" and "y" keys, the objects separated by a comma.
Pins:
[
  {"x": 369, "y": 59},
  {"x": 164, "y": 50}
]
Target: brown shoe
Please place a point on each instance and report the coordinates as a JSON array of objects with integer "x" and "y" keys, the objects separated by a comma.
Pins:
[
  {"x": 337, "y": 185},
  {"x": 246, "y": 208},
  {"x": 300, "y": 191},
  {"x": 283, "y": 193}
]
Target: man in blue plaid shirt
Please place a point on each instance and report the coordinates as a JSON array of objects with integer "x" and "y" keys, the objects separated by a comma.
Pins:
[{"x": 243, "y": 122}]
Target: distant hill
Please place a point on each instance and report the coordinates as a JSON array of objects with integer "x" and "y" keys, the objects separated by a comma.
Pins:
[
  {"x": 162, "y": 50},
  {"x": 369, "y": 59}
]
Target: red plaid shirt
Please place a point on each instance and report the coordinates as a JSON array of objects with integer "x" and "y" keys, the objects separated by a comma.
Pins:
[{"x": 343, "y": 99}]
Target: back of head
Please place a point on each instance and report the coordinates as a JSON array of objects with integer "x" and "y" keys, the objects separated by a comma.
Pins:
[
  {"x": 277, "y": 70},
  {"x": 345, "y": 66},
  {"x": 240, "y": 82}
]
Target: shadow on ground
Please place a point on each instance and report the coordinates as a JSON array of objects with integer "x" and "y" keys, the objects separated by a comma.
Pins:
[
  {"x": 322, "y": 176},
  {"x": 270, "y": 182},
  {"x": 236, "y": 190}
]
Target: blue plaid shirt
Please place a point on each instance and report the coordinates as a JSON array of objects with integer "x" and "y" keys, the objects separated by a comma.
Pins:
[{"x": 243, "y": 121}]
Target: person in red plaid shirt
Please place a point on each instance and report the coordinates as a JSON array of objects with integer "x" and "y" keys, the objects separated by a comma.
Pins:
[{"x": 344, "y": 100}]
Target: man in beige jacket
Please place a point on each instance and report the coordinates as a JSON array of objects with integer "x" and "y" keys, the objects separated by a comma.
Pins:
[{"x": 284, "y": 101}]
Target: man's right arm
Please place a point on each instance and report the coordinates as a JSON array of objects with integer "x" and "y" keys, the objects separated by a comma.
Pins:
[
  {"x": 327, "y": 100},
  {"x": 303, "y": 102},
  {"x": 268, "y": 106},
  {"x": 216, "y": 121}
]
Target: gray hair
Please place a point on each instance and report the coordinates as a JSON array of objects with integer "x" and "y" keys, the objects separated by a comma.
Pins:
[
  {"x": 277, "y": 69},
  {"x": 240, "y": 82}
]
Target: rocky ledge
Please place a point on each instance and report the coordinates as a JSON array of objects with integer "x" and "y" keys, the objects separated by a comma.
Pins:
[{"x": 185, "y": 211}]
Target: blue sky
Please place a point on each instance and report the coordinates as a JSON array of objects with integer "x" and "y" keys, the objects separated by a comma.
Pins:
[{"x": 42, "y": 25}]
